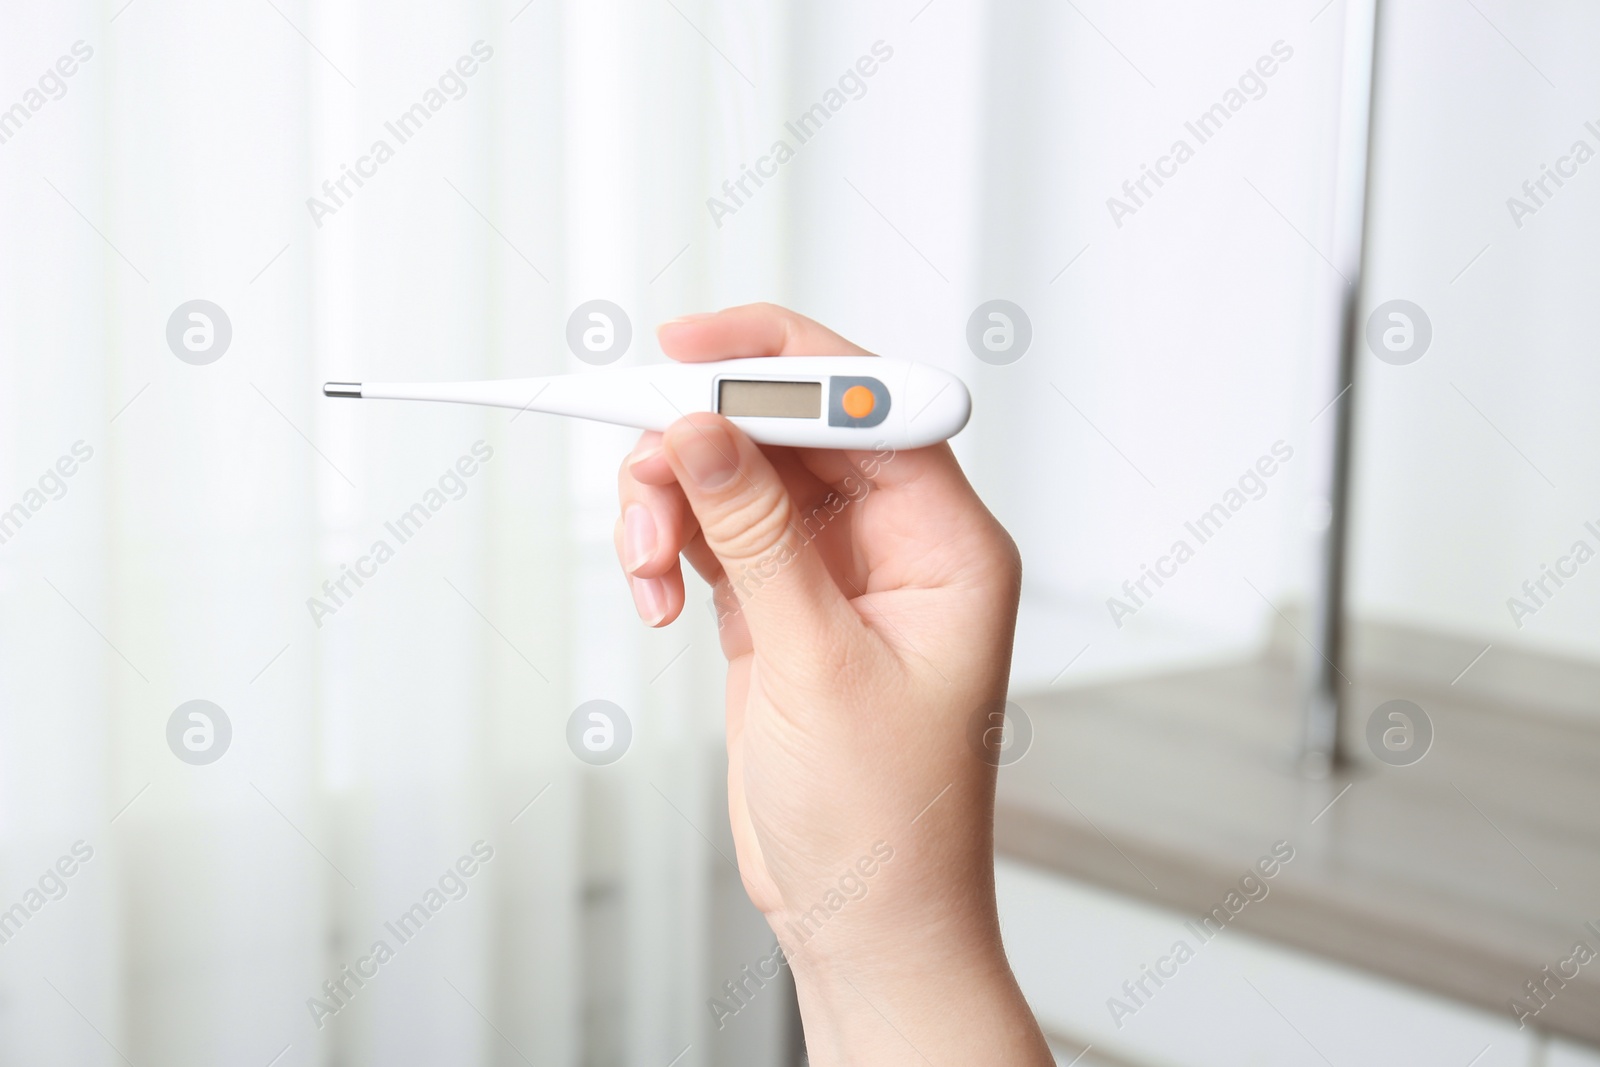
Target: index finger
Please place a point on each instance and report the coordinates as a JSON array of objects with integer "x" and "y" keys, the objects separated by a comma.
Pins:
[{"x": 750, "y": 330}]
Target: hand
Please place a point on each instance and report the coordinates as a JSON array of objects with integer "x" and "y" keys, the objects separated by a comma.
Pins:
[{"x": 866, "y": 605}]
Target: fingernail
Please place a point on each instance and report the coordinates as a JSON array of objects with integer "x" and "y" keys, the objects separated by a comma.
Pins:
[
  {"x": 638, "y": 536},
  {"x": 643, "y": 455},
  {"x": 650, "y": 599},
  {"x": 697, "y": 317},
  {"x": 708, "y": 455}
]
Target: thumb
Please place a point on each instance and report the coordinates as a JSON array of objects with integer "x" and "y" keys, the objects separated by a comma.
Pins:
[{"x": 748, "y": 521}]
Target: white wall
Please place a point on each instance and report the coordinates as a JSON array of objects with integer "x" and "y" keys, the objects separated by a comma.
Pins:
[{"x": 1459, "y": 506}]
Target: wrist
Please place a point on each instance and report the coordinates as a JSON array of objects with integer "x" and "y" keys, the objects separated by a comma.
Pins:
[{"x": 943, "y": 992}]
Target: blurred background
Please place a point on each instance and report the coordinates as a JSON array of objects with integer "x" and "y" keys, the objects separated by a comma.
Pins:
[{"x": 198, "y": 226}]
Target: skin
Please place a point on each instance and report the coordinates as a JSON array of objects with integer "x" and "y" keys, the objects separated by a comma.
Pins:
[{"x": 867, "y": 603}]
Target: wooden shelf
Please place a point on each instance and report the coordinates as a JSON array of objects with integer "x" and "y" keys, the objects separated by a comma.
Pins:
[{"x": 1465, "y": 873}]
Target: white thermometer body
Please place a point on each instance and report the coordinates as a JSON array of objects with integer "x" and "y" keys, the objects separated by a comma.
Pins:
[{"x": 857, "y": 402}]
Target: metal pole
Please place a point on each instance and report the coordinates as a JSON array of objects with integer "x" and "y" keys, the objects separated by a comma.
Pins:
[{"x": 1326, "y": 684}]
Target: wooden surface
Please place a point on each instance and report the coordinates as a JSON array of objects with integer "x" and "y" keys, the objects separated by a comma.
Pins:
[{"x": 1465, "y": 873}]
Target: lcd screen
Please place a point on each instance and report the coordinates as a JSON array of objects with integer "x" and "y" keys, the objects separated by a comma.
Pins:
[{"x": 773, "y": 400}]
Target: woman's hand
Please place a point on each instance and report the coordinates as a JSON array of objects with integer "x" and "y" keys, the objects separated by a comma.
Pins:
[{"x": 866, "y": 603}]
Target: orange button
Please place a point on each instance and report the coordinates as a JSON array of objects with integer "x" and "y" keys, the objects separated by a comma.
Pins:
[{"x": 858, "y": 401}]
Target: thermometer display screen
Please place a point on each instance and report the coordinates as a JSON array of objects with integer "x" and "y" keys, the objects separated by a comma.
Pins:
[{"x": 776, "y": 400}]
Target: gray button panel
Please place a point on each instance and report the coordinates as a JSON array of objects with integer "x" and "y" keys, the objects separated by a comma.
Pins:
[{"x": 838, "y": 384}]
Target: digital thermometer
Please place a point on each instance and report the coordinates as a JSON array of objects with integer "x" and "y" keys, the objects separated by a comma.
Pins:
[{"x": 857, "y": 402}]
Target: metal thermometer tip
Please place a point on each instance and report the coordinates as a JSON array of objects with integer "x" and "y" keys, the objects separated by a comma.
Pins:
[{"x": 347, "y": 389}]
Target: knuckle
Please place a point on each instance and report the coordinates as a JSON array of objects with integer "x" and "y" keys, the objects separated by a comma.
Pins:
[
  {"x": 996, "y": 563},
  {"x": 788, "y": 320},
  {"x": 1011, "y": 556},
  {"x": 1003, "y": 553},
  {"x": 1004, "y": 565},
  {"x": 751, "y": 525}
]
